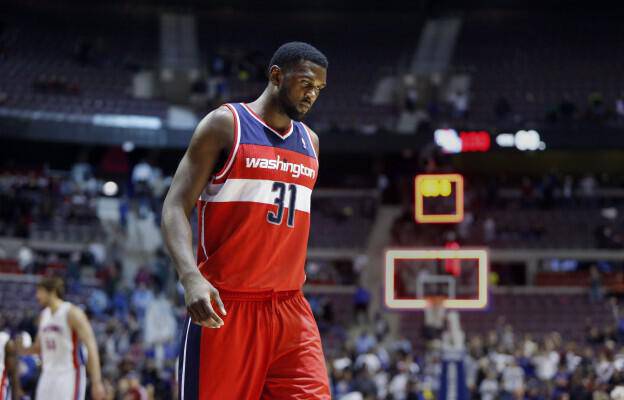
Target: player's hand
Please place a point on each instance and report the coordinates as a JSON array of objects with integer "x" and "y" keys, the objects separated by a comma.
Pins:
[
  {"x": 97, "y": 391},
  {"x": 198, "y": 295}
]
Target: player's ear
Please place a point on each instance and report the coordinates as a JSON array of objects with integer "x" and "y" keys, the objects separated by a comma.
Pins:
[{"x": 275, "y": 75}]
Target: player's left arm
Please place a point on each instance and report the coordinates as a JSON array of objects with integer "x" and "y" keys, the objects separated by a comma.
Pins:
[
  {"x": 11, "y": 363},
  {"x": 79, "y": 323}
]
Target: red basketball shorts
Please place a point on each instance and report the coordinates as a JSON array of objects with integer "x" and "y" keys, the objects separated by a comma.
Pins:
[{"x": 268, "y": 348}]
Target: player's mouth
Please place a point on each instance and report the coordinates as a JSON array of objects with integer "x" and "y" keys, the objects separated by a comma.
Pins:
[{"x": 305, "y": 105}]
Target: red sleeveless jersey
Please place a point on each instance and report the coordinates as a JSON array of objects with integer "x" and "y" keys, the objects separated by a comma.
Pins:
[{"x": 254, "y": 215}]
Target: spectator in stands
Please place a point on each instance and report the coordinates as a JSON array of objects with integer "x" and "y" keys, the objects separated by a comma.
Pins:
[
  {"x": 369, "y": 361},
  {"x": 489, "y": 230},
  {"x": 593, "y": 334},
  {"x": 507, "y": 338},
  {"x": 142, "y": 175},
  {"x": 98, "y": 302},
  {"x": 604, "y": 368},
  {"x": 82, "y": 171},
  {"x": 160, "y": 325},
  {"x": 116, "y": 343},
  {"x": 567, "y": 189},
  {"x": 130, "y": 388},
  {"x": 595, "y": 285},
  {"x": 588, "y": 186},
  {"x": 365, "y": 384},
  {"x": 411, "y": 99},
  {"x": 411, "y": 93},
  {"x": 398, "y": 385},
  {"x": 26, "y": 259},
  {"x": 342, "y": 384},
  {"x": 489, "y": 389},
  {"x": 579, "y": 386},
  {"x": 141, "y": 298},
  {"x": 459, "y": 104},
  {"x": 414, "y": 391},
  {"x": 546, "y": 362},
  {"x": 513, "y": 381},
  {"x": 381, "y": 326},
  {"x": 365, "y": 342},
  {"x": 561, "y": 380},
  {"x": 361, "y": 301}
]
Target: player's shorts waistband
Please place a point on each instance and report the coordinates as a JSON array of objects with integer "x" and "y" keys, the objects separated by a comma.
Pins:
[{"x": 264, "y": 295}]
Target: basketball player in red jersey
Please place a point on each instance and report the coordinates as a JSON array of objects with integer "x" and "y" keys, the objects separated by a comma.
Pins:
[{"x": 250, "y": 332}]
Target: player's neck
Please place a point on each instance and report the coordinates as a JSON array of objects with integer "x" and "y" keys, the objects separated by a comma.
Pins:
[
  {"x": 55, "y": 304},
  {"x": 268, "y": 108}
]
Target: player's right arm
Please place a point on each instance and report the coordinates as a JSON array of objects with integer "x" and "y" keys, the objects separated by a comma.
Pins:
[
  {"x": 11, "y": 364},
  {"x": 213, "y": 134}
]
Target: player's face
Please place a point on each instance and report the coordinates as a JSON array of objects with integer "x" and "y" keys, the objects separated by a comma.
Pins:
[
  {"x": 43, "y": 297},
  {"x": 300, "y": 87}
]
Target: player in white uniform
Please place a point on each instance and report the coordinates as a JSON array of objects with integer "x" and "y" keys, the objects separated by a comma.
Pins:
[
  {"x": 9, "y": 381},
  {"x": 62, "y": 328}
]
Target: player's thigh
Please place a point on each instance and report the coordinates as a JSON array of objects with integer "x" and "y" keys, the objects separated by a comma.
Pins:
[
  {"x": 229, "y": 362},
  {"x": 298, "y": 369},
  {"x": 66, "y": 385}
]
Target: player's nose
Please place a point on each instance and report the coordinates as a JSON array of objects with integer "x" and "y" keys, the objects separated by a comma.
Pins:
[{"x": 310, "y": 96}]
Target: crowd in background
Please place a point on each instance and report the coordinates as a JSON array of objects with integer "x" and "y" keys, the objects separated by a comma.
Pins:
[
  {"x": 434, "y": 103},
  {"x": 364, "y": 361},
  {"x": 136, "y": 307},
  {"x": 499, "y": 365}
]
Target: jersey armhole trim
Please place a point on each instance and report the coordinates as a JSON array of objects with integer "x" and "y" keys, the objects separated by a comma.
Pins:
[
  {"x": 232, "y": 155},
  {"x": 305, "y": 128},
  {"x": 202, "y": 221}
]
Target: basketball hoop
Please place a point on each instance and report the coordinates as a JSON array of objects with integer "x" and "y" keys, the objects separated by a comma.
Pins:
[{"x": 431, "y": 284}]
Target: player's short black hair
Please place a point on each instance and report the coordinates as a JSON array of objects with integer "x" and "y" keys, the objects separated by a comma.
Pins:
[
  {"x": 53, "y": 284},
  {"x": 291, "y": 53}
]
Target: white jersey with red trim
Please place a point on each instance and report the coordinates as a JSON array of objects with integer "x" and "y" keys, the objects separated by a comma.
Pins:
[
  {"x": 64, "y": 375},
  {"x": 254, "y": 215},
  {"x": 59, "y": 343},
  {"x": 4, "y": 378}
]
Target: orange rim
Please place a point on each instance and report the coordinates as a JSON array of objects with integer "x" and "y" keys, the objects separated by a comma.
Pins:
[{"x": 435, "y": 301}]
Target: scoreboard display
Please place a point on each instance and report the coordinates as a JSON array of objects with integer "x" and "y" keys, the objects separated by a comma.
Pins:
[{"x": 439, "y": 198}]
